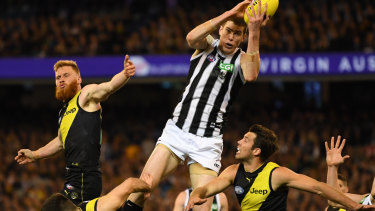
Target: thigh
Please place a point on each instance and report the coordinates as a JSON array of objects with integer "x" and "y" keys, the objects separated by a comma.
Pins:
[
  {"x": 161, "y": 163},
  {"x": 200, "y": 176}
]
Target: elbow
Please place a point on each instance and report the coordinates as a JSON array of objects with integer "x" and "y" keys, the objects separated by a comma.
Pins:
[
  {"x": 251, "y": 77},
  {"x": 190, "y": 40}
]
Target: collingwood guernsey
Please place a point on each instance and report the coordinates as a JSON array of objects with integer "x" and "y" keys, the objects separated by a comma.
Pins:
[{"x": 213, "y": 82}]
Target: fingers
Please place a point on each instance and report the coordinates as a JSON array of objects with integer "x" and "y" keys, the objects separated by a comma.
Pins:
[
  {"x": 332, "y": 142},
  {"x": 264, "y": 11},
  {"x": 20, "y": 153},
  {"x": 338, "y": 141},
  {"x": 326, "y": 145},
  {"x": 346, "y": 157},
  {"x": 126, "y": 59},
  {"x": 342, "y": 144},
  {"x": 259, "y": 7},
  {"x": 253, "y": 10}
]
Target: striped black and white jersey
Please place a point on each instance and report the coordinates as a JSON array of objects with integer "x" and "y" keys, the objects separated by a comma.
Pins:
[{"x": 213, "y": 82}]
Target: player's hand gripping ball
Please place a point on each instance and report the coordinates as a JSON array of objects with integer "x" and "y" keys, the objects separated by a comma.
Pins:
[{"x": 272, "y": 6}]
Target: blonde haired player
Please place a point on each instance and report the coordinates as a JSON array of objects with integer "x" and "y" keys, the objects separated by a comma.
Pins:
[{"x": 218, "y": 69}]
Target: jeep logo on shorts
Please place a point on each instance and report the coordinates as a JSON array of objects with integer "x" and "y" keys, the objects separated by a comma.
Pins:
[{"x": 255, "y": 191}]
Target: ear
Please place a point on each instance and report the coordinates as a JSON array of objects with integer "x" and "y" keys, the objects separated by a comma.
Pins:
[
  {"x": 256, "y": 152},
  {"x": 79, "y": 80},
  {"x": 221, "y": 29}
]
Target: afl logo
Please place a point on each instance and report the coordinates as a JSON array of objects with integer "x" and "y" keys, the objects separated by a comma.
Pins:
[
  {"x": 74, "y": 195},
  {"x": 211, "y": 58},
  {"x": 238, "y": 190}
]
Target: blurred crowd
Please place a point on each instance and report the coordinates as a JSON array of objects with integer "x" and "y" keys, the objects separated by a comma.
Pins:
[
  {"x": 45, "y": 28},
  {"x": 30, "y": 121}
]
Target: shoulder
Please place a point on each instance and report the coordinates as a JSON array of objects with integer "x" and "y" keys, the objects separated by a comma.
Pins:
[
  {"x": 232, "y": 168},
  {"x": 230, "y": 172},
  {"x": 282, "y": 175}
]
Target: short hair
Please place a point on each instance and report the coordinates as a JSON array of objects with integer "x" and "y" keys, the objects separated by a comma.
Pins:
[
  {"x": 265, "y": 139},
  {"x": 239, "y": 22},
  {"x": 62, "y": 63},
  {"x": 343, "y": 179},
  {"x": 58, "y": 202}
]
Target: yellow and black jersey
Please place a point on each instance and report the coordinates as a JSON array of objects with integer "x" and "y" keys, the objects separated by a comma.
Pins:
[
  {"x": 330, "y": 208},
  {"x": 81, "y": 134},
  {"x": 89, "y": 205},
  {"x": 254, "y": 191}
]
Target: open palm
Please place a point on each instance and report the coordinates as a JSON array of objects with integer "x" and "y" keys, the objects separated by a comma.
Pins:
[{"x": 333, "y": 153}]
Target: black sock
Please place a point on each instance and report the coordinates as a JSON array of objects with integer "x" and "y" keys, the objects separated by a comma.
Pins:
[{"x": 131, "y": 206}]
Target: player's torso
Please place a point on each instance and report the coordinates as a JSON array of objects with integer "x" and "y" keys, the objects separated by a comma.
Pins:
[
  {"x": 213, "y": 83},
  {"x": 254, "y": 192},
  {"x": 80, "y": 132}
]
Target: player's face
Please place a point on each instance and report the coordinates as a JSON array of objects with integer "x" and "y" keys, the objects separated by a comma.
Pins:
[
  {"x": 343, "y": 187},
  {"x": 231, "y": 36},
  {"x": 244, "y": 146},
  {"x": 67, "y": 83}
]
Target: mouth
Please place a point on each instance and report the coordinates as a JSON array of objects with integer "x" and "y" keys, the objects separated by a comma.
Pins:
[
  {"x": 62, "y": 86},
  {"x": 228, "y": 45},
  {"x": 237, "y": 150}
]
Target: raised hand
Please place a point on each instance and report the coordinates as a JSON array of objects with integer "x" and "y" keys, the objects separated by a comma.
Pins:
[
  {"x": 25, "y": 156},
  {"x": 129, "y": 68},
  {"x": 239, "y": 9},
  {"x": 333, "y": 154},
  {"x": 259, "y": 19}
]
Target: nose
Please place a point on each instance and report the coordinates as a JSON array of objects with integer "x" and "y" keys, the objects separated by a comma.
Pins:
[{"x": 231, "y": 36}]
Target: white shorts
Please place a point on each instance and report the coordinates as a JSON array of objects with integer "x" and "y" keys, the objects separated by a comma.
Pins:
[{"x": 203, "y": 150}]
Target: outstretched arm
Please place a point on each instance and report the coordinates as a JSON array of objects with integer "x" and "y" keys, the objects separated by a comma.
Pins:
[
  {"x": 284, "y": 176},
  {"x": 25, "y": 156},
  {"x": 100, "y": 92},
  {"x": 199, "y": 38},
  {"x": 117, "y": 197},
  {"x": 217, "y": 185}
]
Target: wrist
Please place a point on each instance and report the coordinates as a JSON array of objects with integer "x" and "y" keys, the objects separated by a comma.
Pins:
[
  {"x": 35, "y": 155},
  {"x": 252, "y": 53}
]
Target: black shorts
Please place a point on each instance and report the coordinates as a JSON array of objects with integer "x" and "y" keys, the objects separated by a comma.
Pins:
[{"x": 82, "y": 184}]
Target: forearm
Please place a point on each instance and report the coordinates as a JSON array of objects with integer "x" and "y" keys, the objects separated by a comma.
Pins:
[
  {"x": 201, "y": 192},
  {"x": 253, "y": 41},
  {"x": 118, "y": 81},
  {"x": 336, "y": 196},
  {"x": 332, "y": 176},
  {"x": 198, "y": 35},
  {"x": 48, "y": 150},
  {"x": 251, "y": 60}
]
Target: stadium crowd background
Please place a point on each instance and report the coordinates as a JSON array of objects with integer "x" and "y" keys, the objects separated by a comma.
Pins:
[
  {"x": 302, "y": 118},
  {"x": 88, "y": 28}
]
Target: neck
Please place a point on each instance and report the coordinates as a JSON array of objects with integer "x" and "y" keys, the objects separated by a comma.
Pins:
[{"x": 252, "y": 165}]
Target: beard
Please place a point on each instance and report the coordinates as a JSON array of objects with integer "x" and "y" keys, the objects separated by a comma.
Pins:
[{"x": 68, "y": 92}]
